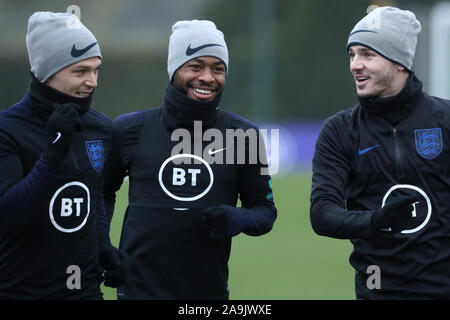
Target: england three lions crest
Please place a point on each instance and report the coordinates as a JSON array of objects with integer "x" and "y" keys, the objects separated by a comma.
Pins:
[
  {"x": 428, "y": 142},
  {"x": 95, "y": 152}
]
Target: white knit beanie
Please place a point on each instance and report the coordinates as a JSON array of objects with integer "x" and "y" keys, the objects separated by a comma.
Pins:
[
  {"x": 192, "y": 39},
  {"x": 391, "y": 32},
  {"x": 53, "y": 44}
]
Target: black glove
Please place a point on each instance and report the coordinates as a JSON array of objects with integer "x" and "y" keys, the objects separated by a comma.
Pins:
[
  {"x": 216, "y": 221},
  {"x": 395, "y": 216},
  {"x": 114, "y": 262},
  {"x": 61, "y": 125}
]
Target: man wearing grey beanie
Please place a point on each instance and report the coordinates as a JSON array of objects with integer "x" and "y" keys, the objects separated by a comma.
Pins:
[
  {"x": 182, "y": 215},
  {"x": 53, "y": 229},
  {"x": 381, "y": 169}
]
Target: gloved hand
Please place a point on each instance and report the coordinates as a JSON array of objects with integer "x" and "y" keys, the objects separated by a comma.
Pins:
[
  {"x": 61, "y": 125},
  {"x": 216, "y": 220},
  {"x": 394, "y": 216},
  {"x": 114, "y": 261}
]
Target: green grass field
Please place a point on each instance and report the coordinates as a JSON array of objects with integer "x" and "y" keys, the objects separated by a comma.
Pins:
[{"x": 289, "y": 263}]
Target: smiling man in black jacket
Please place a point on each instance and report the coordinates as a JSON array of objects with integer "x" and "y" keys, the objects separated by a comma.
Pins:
[
  {"x": 183, "y": 193},
  {"x": 381, "y": 169},
  {"x": 53, "y": 230}
]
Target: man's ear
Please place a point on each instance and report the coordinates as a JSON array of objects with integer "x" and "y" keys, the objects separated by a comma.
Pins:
[{"x": 172, "y": 81}]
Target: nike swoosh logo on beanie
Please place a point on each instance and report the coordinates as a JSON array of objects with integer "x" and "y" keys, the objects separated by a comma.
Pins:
[
  {"x": 77, "y": 53},
  {"x": 190, "y": 51}
]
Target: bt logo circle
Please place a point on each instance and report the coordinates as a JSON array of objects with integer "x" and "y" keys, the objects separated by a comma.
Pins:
[
  {"x": 179, "y": 176},
  {"x": 70, "y": 206},
  {"x": 420, "y": 213}
]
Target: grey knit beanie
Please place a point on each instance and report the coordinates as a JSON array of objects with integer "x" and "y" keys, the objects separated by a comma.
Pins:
[
  {"x": 192, "y": 39},
  {"x": 55, "y": 42},
  {"x": 389, "y": 31}
]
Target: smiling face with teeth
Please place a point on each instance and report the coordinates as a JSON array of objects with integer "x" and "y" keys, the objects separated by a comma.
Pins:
[
  {"x": 374, "y": 75},
  {"x": 201, "y": 78},
  {"x": 77, "y": 80}
]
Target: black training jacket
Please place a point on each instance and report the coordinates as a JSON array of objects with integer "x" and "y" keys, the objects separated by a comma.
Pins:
[
  {"x": 172, "y": 255},
  {"x": 49, "y": 219},
  {"x": 361, "y": 161}
]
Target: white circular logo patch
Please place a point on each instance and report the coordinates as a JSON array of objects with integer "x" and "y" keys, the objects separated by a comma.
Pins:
[
  {"x": 182, "y": 176},
  {"x": 416, "y": 212},
  {"x": 69, "y": 207}
]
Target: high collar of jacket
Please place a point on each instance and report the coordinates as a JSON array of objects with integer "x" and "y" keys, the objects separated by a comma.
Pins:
[
  {"x": 180, "y": 111},
  {"x": 43, "y": 98},
  {"x": 398, "y": 107}
]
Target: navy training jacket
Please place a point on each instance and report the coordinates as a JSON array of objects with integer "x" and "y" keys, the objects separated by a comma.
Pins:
[
  {"x": 49, "y": 219},
  {"x": 361, "y": 161}
]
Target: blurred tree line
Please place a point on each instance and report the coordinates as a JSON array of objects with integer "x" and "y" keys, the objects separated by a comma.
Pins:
[{"x": 297, "y": 61}]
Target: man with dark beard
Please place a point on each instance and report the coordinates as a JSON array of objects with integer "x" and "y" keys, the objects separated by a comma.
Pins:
[
  {"x": 182, "y": 209},
  {"x": 381, "y": 169}
]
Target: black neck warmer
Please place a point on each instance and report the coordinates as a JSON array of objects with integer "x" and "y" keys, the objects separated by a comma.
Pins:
[
  {"x": 398, "y": 107},
  {"x": 43, "y": 97},
  {"x": 180, "y": 111}
]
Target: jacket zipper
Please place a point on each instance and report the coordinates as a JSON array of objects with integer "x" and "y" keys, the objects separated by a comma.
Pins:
[
  {"x": 74, "y": 159},
  {"x": 398, "y": 153}
]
